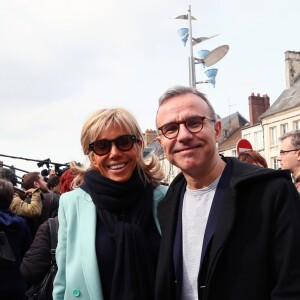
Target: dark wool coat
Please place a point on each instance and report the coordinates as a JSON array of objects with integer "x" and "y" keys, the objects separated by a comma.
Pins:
[
  {"x": 256, "y": 246},
  {"x": 12, "y": 286},
  {"x": 37, "y": 260}
]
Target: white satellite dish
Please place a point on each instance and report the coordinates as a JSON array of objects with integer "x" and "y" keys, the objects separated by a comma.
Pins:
[{"x": 215, "y": 55}]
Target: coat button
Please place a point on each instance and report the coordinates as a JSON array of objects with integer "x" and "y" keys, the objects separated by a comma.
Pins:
[{"x": 76, "y": 293}]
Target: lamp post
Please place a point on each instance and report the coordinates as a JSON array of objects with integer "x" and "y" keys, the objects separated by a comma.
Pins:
[
  {"x": 209, "y": 59},
  {"x": 189, "y": 17},
  {"x": 191, "y": 59}
]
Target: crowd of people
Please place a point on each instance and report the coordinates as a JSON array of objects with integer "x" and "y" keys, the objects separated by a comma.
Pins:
[
  {"x": 224, "y": 229},
  {"x": 23, "y": 218}
]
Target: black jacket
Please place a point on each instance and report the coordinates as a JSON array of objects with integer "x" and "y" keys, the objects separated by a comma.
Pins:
[
  {"x": 255, "y": 250},
  {"x": 37, "y": 260},
  {"x": 50, "y": 204},
  {"x": 12, "y": 286}
]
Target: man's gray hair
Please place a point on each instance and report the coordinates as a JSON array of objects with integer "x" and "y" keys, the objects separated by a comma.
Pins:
[
  {"x": 295, "y": 137},
  {"x": 179, "y": 90}
]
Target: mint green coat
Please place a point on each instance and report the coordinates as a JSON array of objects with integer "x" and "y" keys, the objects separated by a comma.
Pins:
[{"x": 78, "y": 274}]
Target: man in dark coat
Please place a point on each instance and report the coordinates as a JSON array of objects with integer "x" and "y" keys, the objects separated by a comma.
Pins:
[
  {"x": 12, "y": 286},
  {"x": 230, "y": 230}
]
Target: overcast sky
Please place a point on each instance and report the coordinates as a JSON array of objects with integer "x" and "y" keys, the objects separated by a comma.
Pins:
[{"x": 61, "y": 60}]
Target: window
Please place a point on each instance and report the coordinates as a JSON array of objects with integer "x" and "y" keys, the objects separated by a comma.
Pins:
[
  {"x": 284, "y": 128},
  {"x": 247, "y": 136},
  {"x": 258, "y": 140},
  {"x": 233, "y": 153},
  {"x": 296, "y": 124},
  {"x": 226, "y": 133},
  {"x": 273, "y": 136},
  {"x": 274, "y": 163}
]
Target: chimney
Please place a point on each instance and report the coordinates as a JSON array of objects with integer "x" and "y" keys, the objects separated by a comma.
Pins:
[
  {"x": 292, "y": 67},
  {"x": 257, "y": 106},
  {"x": 150, "y": 135}
]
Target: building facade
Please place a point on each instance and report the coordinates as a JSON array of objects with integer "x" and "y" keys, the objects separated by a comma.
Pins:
[{"x": 268, "y": 123}]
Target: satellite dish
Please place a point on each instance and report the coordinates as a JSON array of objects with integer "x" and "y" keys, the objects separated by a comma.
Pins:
[
  {"x": 202, "y": 39},
  {"x": 184, "y": 34},
  {"x": 215, "y": 55}
]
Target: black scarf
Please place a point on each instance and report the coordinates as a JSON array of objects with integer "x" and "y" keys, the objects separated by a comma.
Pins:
[{"x": 126, "y": 209}]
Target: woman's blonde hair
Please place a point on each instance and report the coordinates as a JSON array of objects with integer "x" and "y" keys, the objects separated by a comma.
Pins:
[{"x": 101, "y": 121}]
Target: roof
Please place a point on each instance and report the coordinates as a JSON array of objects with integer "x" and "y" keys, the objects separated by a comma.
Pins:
[
  {"x": 226, "y": 120},
  {"x": 230, "y": 124},
  {"x": 153, "y": 148},
  {"x": 231, "y": 141},
  {"x": 288, "y": 99}
]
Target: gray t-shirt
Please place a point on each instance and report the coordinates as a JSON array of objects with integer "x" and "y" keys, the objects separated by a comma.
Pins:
[{"x": 195, "y": 212}]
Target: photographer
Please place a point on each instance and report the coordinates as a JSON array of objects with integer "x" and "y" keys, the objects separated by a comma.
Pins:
[
  {"x": 50, "y": 200},
  {"x": 18, "y": 205}
]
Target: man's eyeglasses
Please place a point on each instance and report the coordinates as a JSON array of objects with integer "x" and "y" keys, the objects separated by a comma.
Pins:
[
  {"x": 123, "y": 143},
  {"x": 193, "y": 125},
  {"x": 281, "y": 152}
]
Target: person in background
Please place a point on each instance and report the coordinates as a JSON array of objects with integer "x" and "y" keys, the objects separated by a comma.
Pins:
[
  {"x": 50, "y": 200},
  {"x": 8, "y": 174},
  {"x": 253, "y": 157},
  {"x": 230, "y": 230},
  {"x": 12, "y": 286},
  {"x": 111, "y": 218},
  {"x": 37, "y": 260},
  {"x": 66, "y": 179},
  {"x": 53, "y": 184},
  {"x": 18, "y": 205},
  {"x": 289, "y": 155}
]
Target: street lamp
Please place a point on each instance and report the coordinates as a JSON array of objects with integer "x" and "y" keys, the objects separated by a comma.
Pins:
[{"x": 207, "y": 58}]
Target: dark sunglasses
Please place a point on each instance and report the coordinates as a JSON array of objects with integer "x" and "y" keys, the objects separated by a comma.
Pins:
[{"x": 123, "y": 143}]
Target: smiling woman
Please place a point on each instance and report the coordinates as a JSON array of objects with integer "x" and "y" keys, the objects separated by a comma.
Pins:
[{"x": 112, "y": 214}]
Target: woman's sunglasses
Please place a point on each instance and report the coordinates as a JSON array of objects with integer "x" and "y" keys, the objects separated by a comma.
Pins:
[{"x": 123, "y": 143}]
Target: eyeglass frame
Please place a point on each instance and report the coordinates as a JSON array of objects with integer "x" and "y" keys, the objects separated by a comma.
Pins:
[
  {"x": 282, "y": 152},
  {"x": 184, "y": 122},
  {"x": 132, "y": 137}
]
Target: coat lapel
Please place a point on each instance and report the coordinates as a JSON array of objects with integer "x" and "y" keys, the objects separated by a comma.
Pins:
[
  {"x": 225, "y": 222},
  {"x": 167, "y": 210},
  {"x": 167, "y": 215},
  {"x": 224, "y": 226},
  {"x": 87, "y": 218}
]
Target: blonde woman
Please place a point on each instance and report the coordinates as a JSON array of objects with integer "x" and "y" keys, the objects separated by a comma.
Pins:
[{"x": 109, "y": 235}]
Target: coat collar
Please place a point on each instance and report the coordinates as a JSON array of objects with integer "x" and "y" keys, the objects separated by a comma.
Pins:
[{"x": 87, "y": 218}]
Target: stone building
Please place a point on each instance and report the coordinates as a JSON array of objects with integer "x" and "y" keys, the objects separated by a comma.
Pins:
[{"x": 268, "y": 123}]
